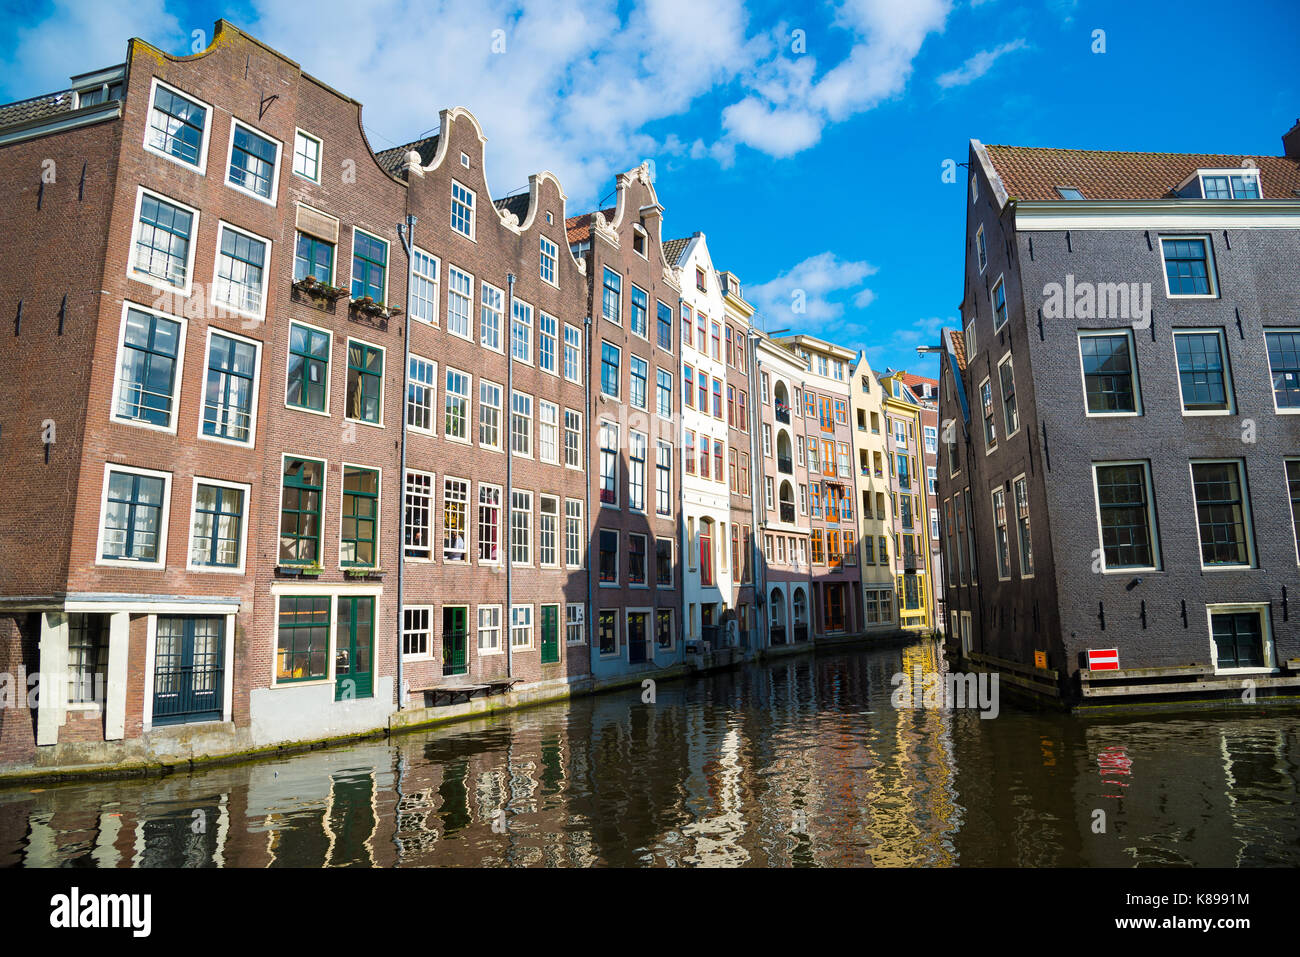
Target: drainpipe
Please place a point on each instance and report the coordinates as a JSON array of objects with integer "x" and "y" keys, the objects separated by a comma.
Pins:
[
  {"x": 756, "y": 423},
  {"x": 406, "y": 233},
  {"x": 504, "y": 543},
  {"x": 586, "y": 488}
]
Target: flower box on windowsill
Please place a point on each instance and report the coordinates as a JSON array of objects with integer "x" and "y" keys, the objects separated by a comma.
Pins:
[
  {"x": 314, "y": 287},
  {"x": 303, "y": 571},
  {"x": 370, "y": 307},
  {"x": 363, "y": 572}
]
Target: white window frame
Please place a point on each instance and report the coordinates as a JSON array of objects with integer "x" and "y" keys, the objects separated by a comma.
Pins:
[
  {"x": 468, "y": 438},
  {"x": 427, "y": 655},
  {"x": 999, "y": 283},
  {"x": 251, "y": 441},
  {"x": 1266, "y": 634},
  {"x": 553, "y": 253},
  {"x": 526, "y": 531},
  {"x": 485, "y": 288},
  {"x": 565, "y": 345},
  {"x": 502, "y": 422},
  {"x": 557, "y": 533},
  {"x": 247, "y": 491},
  {"x": 578, "y": 415},
  {"x": 320, "y": 155},
  {"x": 1211, "y": 266},
  {"x": 1229, "y": 172},
  {"x": 473, "y": 210},
  {"x": 182, "y": 292},
  {"x": 582, "y": 533},
  {"x": 542, "y": 407},
  {"x": 275, "y": 170},
  {"x": 520, "y": 608},
  {"x": 221, "y": 306},
  {"x": 434, "y": 408},
  {"x": 969, "y": 340},
  {"x": 580, "y": 620},
  {"x": 539, "y": 320},
  {"x": 1156, "y": 551},
  {"x": 202, "y": 167},
  {"x": 470, "y": 334},
  {"x": 496, "y": 649},
  {"x": 503, "y": 527},
  {"x": 525, "y": 312},
  {"x": 1006, "y": 360},
  {"x": 170, "y": 428},
  {"x": 531, "y": 419},
  {"x": 471, "y": 519},
  {"x": 433, "y": 516},
  {"x": 163, "y": 524},
  {"x": 434, "y": 280},
  {"x": 981, "y": 249}
]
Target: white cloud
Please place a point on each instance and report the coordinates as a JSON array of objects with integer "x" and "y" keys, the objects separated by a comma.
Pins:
[
  {"x": 811, "y": 291},
  {"x": 978, "y": 65}
]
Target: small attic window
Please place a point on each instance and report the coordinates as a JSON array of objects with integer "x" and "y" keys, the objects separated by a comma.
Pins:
[
  {"x": 974, "y": 188},
  {"x": 1069, "y": 192},
  {"x": 1229, "y": 183},
  {"x": 550, "y": 220},
  {"x": 638, "y": 240},
  {"x": 464, "y": 160},
  {"x": 699, "y": 280}
]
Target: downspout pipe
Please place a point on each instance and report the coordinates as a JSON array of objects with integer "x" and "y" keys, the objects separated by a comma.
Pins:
[
  {"x": 757, "y": 554},
  {"x": 406, "y": 233},
  {"x": 588, "y": 517},
  {"x": 508, "y": 505}
]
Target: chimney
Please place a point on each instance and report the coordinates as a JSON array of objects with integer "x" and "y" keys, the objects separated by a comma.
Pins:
[{"x": 1291, "y": 142}]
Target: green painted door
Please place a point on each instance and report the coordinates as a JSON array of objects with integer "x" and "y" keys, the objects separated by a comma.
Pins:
[
  {"x": 453, "y": 642},
  {"x": 354, "y": 657},
  {"x": 550, "y": 634}
]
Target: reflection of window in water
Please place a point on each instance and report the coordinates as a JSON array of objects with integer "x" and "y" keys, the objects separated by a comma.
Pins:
[
  {"x": 169, "y": 840},
  {"x": 1255, "y": 765},
  {"x": 351, "y": 819}
]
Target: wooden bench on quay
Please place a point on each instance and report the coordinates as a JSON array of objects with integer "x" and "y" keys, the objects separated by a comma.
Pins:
[{"x": 448, "y": 692}]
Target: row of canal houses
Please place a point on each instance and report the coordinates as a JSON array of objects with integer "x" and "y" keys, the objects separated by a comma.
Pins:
[{"x": 306, "y": 440}]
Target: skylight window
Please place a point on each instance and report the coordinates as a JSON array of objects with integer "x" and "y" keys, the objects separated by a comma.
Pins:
[{"x": 1069, "y": 192}]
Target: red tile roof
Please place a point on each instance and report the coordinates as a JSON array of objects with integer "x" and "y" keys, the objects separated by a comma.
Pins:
[
  {"x": 1033, "y": 173},
  {"x": 958, "y": 347},
  {"x": 578, "y": 228}
]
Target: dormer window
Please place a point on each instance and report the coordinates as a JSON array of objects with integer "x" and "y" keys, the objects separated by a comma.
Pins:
[
  {"x": 1229, "y": 183},
  {"x": 1069, "y": 192}
]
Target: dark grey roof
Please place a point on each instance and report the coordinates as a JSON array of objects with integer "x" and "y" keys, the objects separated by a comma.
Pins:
[
  {"x": 24, "y": 111},
  {"x": 392, "y": 160},
  {"x": 517, "y": 204},
  {"x": 673, "y": 250}
]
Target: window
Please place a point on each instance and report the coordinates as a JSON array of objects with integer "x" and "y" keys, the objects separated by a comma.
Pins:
[
  {"x": 308, "y": 368},
  {"x": 178, "y": 126},
  {"x": 455, "y": 527},
  {"x": 1293, "y": 485},
  {"x": 521, "y": 527},
  {"x": 1069, "y": 192},
  {"x": 359, "y": 537},
  {"x": 462, "y": 209},
  {"x": 313, "y": 257},
  {"x": 240, "y": 277},
  {"x": 489, "y": 629},
  {"x": 162, "y": 253},
  {"x": 1126, "y": 518},
  {"x": 608, "y": 543},
  {"x": 1000, "y": 530},
  {"x": 489, "y": 415},
  {"x": 640, "y": 312},
  {"x": 87, "y": 658},
  {"x": 217, "y": 529},
  {"x": 365, "y": 383},
  {"x": 416, "y": 632},
  {"x": 704, "y": 456},
  {"x": 970, "y": 338},
  {"x": 547, "y": 253},
  {"x": 636, "y": 558},
  {"x": 302, "y": 487},
  {"x": 611, "y": 296},
  {"x": 999, "y": 296},
  {"x": 931, "y": 479},
  {"x": 932, "y": 436},
  {"x": 491, "y": 310},
  {"x": 521, "y": 424},
  {"x": 546, "y": 342},
  {"x": 573, "y": 353},
  {"x": 573, "y": 624},
  {"x": 460, "y": 291},
  {"x": 521, "y": 626},
  {"x": 548, "y": 529},
  {"x": 369, "y": 267},
  {"x": 609, "y": 372},
  {"x": 842, "y": 459},
  {"x": 715, "y": 341},
  {"x": 769, "y": 497},
  {"x": 421, "y": 376},
  {"x": 1240, "y": 637},
  {"x": 706, "y": 552},
  {"x": 417, "y": 521},
  {"x": 767, "y": 440},
  {"x": 306, "y": 156},
  {"x": 702, "y": 396},
  {"x": 548, "y": 432},
  {"x": 1229, "y": 184},
  {"x": 302, "y": 642},
  {"x": 1109, "y": 380},
  {"x": 574, "y": 532},
  {"x": 688, "y": 393},
  {"x": 1203, "y": 378},
  {"x": 742, "y": 415},
  {"x": 664, "y": 562},
  {"x": 1010, "y": 414},
  {"x": 423, "y": 293},
  {"x": 456, "y": 405},
  {"x": 489, "y": 523},
  {"x": 1284, "y": 364},
  {"x": 254, "y": 162},
  {"x": 230, "y": 392},
  {"x": 572, "y": 439},
  {"x": 665, "y": 393},
  {"x": 636, "y": 471},
  {"x": 607, "y": 632},
  {"x": 608, "y": 463},
  {"x": 665, "y": 326},
  {"x": 148, "y": 369},
  {"x": 639, "y": 370},
  {"x": 1221, "y": 513},
  {"x": 1189, "y": 269},
  {"x": 686, "y": 324},
  {"x": 818, "y": 547},
  {"x": 688, "y": 452},
  {"x": 981, "y": 248},
  {"x": 521, "y": 331},
  {"x": 717, "y": 461}
]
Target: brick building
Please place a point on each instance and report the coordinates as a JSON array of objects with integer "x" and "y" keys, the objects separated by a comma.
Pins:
[{"x": 1124, "y": 392}]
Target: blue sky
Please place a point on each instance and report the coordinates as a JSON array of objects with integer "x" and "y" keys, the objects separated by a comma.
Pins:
[{"x": 807, "y": 142}]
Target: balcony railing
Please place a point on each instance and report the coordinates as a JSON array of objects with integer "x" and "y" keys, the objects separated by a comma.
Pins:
[
  {"x": 778, "y": 634},
  {"x": 785, "y": 464},
  {"x": 782, "y": 413},
  {"x": 800, "y": 633},
  {"x": 787, "y": 512}
]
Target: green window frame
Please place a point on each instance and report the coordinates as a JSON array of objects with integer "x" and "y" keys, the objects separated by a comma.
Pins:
[
  {"x": 147, "y": 368},
  {"x": 302, "y": 638},
  {"x": 313, "y": 257},
  {"x": 369, "y": 266},
  {"x": 218, "y": 525},
  {"x": 133, "y": 516},
  {"x": 365, "y": 382},
  {"x": 302, "y": 487},
  {"x": 309, "y": 364},
  {"x": 359, "y": 537},
  {"x": 228, "y": 392}
]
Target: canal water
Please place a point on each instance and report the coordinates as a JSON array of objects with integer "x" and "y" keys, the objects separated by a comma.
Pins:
[{"x": 804, "y": 761}]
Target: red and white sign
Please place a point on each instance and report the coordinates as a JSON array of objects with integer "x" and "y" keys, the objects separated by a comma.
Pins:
[{"x": 1103, "y": 659}]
